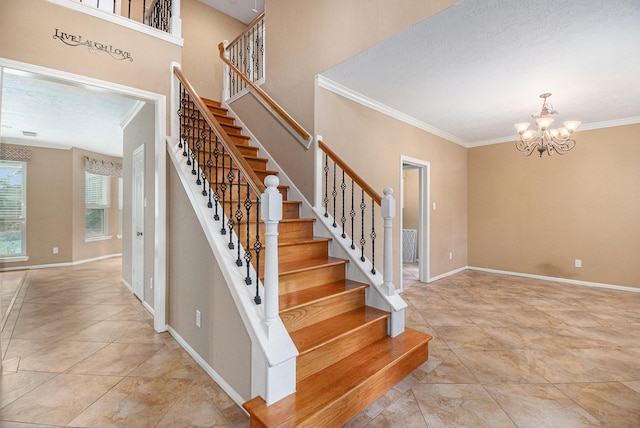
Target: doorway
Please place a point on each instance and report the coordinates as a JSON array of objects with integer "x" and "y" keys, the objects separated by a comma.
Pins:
[
  {"x": 414, "y": 218},
  {"x": 155, "y": 154}
]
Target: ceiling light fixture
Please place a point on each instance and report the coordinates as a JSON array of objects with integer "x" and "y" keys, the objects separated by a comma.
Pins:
[{"x": 546, "y": 139}]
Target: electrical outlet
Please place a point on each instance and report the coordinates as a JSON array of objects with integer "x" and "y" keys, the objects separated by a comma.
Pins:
[
  {"x": 450, "y": 256},
  {"x": 198, "y": 318},
  {"x": 578, "y": 263},
  {"x": 151, "y": 283},
  {"x": 55, "y": 250}
]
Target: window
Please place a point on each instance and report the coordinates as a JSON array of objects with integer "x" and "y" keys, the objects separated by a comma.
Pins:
[
  {"x": 96, "y": 200},
  {"x": 13, "y": 204}
]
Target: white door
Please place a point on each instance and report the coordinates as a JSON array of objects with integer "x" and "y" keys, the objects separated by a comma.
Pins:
[{"x": 138, "y": 205}]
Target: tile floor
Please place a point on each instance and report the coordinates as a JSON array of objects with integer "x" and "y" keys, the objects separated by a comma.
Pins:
[{"x": 507, "y": 351}]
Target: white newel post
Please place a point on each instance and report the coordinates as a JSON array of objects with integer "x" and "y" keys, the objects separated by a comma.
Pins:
[
  {"x": 271, "y": 213},
  {"x": 226, "y": 88},
  {"x": 317, "y": 194},
  {"x": 388, "y": 212}
]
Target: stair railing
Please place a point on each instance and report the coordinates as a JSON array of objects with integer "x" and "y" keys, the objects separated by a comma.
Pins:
[
  {"x": 158, "y": 14},
  {"x": 232, "y": 188},
  {"x": 354, "y": 212},
  {"x": 244, "y": 70}
]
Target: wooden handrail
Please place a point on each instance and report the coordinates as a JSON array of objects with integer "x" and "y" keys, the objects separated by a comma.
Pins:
[
  {"x": 288, "y": 119},
  {"x": 351, "y": 173},
  {"x": 241, "y": 162},
  {"x": 249, "y": 27}
]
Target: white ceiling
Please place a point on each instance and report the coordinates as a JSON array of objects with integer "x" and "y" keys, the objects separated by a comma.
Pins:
[
  {"x": 472, "y": 71},
  {"x": 62, "y": 115},
  {"x": 242, "y": 10}
]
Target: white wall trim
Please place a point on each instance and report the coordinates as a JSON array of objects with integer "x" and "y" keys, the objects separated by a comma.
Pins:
[
  {"x": 63, "y": 264},
  {"x": 343, "y": 91},
  {"x": 208, "y": 369},
  {"x": 446, "y": 274},
  {"x": 555, "y": 279},
  {"x": 424, "y": 213},
  {"x": 119, "y": 20},
  {"x": 159, "y": 102}
]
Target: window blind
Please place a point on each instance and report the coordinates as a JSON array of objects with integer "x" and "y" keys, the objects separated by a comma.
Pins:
[
  {"x": 96, "y": 190},
  {"x": 12, "y": 190}
]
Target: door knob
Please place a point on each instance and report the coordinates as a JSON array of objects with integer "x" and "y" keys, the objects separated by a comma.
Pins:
[{"x": 139, "y": 234}]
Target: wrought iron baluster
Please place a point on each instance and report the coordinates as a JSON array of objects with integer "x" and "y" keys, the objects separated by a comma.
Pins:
[
  {"x": 239, "y": 219},
  {"x": 181, "y": 115},
  {"x": 216, "y": 193},
  {"x": 334, "y": 193},
  {"x": 194, "y": 139},
  {"x": 352, "y": 213},
  {"x": 326, "y": 185},
  {"x": 198, "y": 149},
  {"x": 373, "y": 237},
  {"x": 223, "y": 188},
  {"x": 247, "y": 249},
  {"x": 209, "y": 166},
  {"x": 206, "y": 158},
  {"x": 230, "y": 222},
  {"x": 363, "y": 206},
  {"x": 129, "y": 11},
  {"x": 343, "y": 219},
  {"x": 257, "y": 247}
]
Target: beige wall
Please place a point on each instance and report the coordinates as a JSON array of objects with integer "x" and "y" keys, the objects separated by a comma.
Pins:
[
  {"x": 196, "y": 283},
  {"x": 537, "y": 215},
  {"x": 56, "y": 210},
  {"x": 372, "y": 144},
  {"x": 202, "y": 29},
  {"x": 49, "y": 207}
]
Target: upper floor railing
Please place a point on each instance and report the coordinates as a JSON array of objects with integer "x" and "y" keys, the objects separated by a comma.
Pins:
[
  {"x": 153, "y": 13},
  {"x": 244, "y": 59}
]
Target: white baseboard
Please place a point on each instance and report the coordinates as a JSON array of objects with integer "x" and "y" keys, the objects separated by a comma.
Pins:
[
  {"x": 52, "y": 265},
  {"x": 446, "y": 274},
  {"x": 207, "y": 368},
  {"x": 555, "y": 279}
]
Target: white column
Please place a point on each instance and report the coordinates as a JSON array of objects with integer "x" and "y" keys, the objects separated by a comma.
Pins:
[
  {"x": 226, "y": 89},
  {"x": 388, "y": 212},
  {"x": 271, "y": 214},
  {"x": 176, "y": 20}
]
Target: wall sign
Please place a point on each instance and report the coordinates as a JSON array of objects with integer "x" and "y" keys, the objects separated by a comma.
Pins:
[{"x": 94, "y": 47}]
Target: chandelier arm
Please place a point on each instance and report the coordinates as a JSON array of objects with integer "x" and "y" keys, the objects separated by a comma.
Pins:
[{"x": 564, "y": 146}]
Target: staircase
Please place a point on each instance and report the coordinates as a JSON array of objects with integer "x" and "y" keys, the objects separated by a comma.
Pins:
[{"x": 346, "y": 359}]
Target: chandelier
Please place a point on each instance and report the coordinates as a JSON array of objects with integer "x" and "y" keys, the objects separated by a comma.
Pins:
[{"x": 546, "y": 139}]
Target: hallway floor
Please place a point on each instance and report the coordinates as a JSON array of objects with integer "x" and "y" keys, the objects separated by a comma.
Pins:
[{"x": 80, "y": 350}]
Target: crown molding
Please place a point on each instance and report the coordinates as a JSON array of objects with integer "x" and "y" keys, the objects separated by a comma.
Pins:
[{"x": 357, "y": 97}]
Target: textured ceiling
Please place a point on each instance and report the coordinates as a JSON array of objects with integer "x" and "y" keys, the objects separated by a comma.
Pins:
[
  {"x": 475, "y": 69},
  {"x": 242, "y": 10},
  {"x": 62, "y": 115}
]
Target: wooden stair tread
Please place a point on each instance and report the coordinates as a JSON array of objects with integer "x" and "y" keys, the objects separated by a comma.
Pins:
[
  {"x": 295, "y": 299},
  {"x": 302, "y": 265},
  {"x": 309, "y": 338},
  {"x": 322, "y": 391}
]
